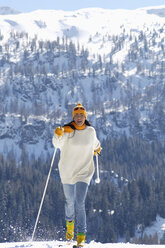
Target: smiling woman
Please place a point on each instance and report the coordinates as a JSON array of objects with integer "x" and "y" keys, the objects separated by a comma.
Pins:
[{"x": 77, "y": 142}]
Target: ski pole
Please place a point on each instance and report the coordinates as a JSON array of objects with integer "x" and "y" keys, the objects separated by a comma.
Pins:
[
  {"x": 97, "y": 180},
  {"x": 43, "y": 196}
]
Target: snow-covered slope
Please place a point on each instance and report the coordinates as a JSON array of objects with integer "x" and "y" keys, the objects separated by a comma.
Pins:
[
  {"x": 57, "y": 244},
  {"x": 157, "y": 227},
  {"x": 82, "y": 24}
]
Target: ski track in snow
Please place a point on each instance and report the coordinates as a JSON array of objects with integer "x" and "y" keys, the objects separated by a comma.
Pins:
[{"x": 62, "y": 244}]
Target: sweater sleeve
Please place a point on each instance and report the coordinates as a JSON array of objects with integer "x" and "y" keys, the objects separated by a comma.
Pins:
[
  {"x": 96, "y": 143},
  {"x": 58, "y": 142}
]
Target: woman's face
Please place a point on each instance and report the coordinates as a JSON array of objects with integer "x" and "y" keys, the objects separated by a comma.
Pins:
[{"x": 79, "y": 119}]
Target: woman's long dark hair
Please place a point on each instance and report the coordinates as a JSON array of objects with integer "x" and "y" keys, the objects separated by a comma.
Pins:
[{"x": 73, "y": 127}]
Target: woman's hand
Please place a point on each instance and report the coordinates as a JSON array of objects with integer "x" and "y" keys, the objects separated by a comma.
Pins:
[
  {"x": 98, "y": 151},
  {"x": 59, "y": 131}
]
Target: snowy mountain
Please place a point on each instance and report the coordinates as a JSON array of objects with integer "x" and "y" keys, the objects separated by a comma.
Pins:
[
  {"x": 113, "y": 62},
  {"x": 83, "y": 24},
  {"x": 110, "y": 60}
]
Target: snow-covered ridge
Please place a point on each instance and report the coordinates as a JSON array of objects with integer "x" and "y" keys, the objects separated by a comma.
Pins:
[{"x": 79, "y": 24}]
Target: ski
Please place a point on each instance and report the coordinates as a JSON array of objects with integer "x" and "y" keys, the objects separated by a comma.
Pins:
[
  {"x": 75, "y": 246},
  {"x": 69, "y": 244}
]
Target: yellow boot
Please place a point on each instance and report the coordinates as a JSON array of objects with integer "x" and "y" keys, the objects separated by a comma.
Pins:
[
  {"x": 80, "y": 239},
  {"x": 70, "y": 230}
]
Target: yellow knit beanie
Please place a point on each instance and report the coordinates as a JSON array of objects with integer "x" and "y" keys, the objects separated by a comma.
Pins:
[{"x": 79, "y": 109}]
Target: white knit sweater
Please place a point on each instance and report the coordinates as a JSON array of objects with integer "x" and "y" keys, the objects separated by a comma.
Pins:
[{"x": 76, "y": 157}]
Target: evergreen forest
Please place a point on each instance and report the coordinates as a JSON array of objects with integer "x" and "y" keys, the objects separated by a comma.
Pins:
[{"x": 130, "y": 196}]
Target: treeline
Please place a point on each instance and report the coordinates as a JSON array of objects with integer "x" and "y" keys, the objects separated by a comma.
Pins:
[
  {"x": 40, "y": 78},
  {"x": 130, "y": 196},
  {"x": 75, "y": 59}
]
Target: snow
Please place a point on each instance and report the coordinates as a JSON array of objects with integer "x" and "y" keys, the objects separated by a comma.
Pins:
[
  {"x": 158, "y": 227},
  {"x": 57, "y": 244},
  {"x": 82, "y": 24}
]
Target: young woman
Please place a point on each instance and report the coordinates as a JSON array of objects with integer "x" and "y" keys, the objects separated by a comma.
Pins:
[{"x": 77, "y": 142}]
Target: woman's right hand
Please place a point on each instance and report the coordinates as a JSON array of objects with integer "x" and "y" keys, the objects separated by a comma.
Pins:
[{"x": 59, "y": 131}]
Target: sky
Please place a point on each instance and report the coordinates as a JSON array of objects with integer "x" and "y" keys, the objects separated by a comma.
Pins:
[{"x": 69, "y": 5}]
